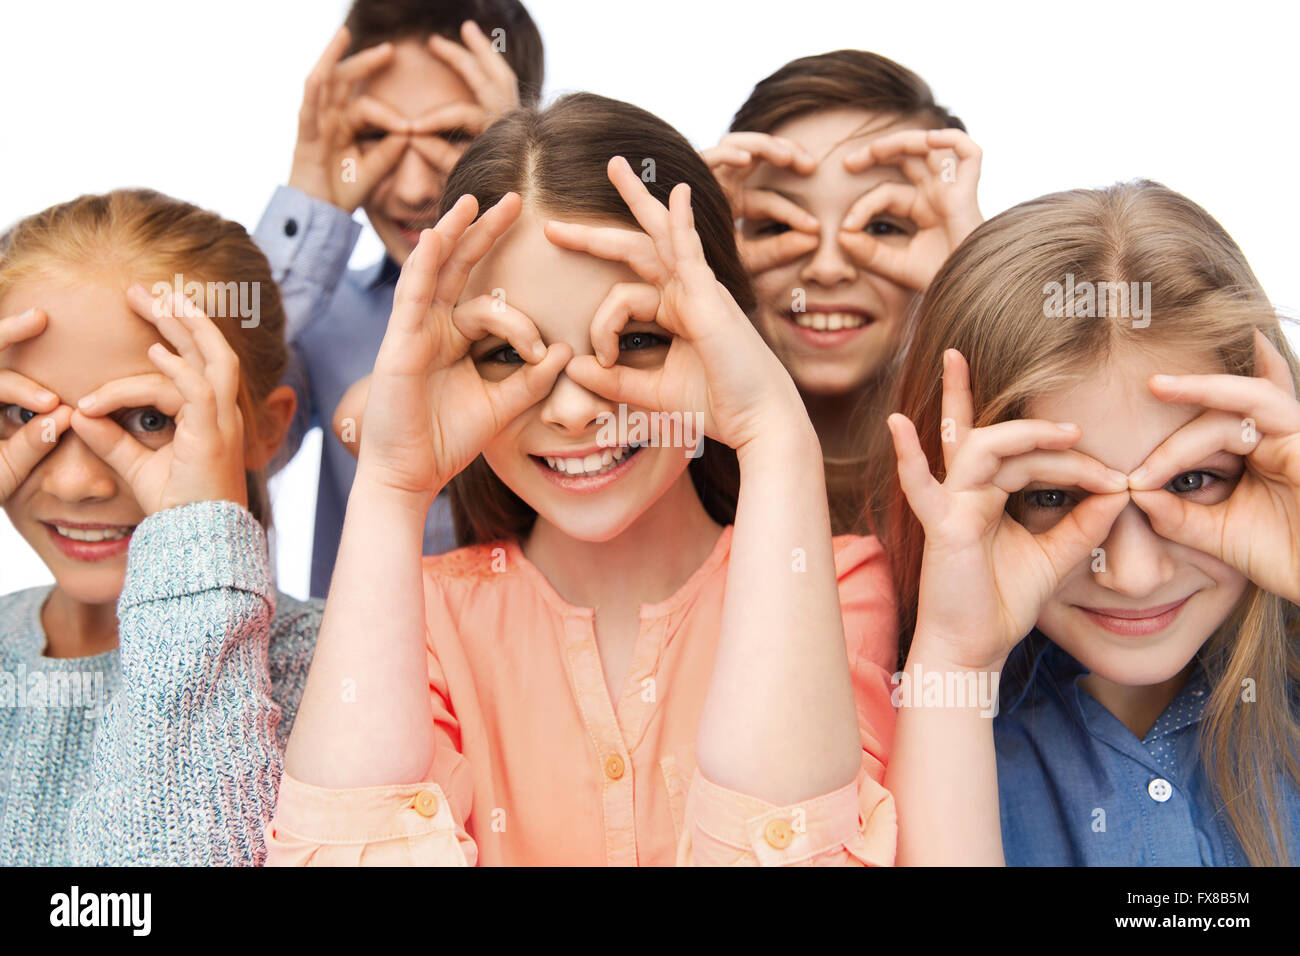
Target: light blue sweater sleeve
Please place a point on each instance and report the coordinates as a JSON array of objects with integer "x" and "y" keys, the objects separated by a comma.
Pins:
[{"x": 187, "y": 756}]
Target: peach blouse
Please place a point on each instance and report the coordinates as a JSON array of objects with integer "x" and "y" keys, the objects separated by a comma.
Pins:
[{"x": 536, "y": 765}]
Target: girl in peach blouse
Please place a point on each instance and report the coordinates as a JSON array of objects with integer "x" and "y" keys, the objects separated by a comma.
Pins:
[{"x": 651, "y": 650}]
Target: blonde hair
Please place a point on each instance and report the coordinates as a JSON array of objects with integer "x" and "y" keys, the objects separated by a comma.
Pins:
[
  {"x": 988, "y": 302},
  {"x": 146, "y": 236}
]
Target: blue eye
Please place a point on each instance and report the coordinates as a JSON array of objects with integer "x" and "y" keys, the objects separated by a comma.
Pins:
[
  {"x": 1190, "y": 481},
  {"x": 505, "y": 355},
  {"x": 148, "y": 420},
  {"x": 638, "y": 341},
  {"x": 16, "y": 414},
  {"x": 1047, "y": 498}
]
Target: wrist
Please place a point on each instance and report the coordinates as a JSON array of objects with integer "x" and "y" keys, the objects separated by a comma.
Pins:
[{"x": 781, "y": 437}]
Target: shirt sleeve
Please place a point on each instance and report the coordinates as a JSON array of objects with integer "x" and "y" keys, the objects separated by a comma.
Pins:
[
  {"x": 186, "y": 757},
  {"x": 416, "y": 824},
  {"x": 307, "y": 242},
  {"x": 855, "y": 825}
]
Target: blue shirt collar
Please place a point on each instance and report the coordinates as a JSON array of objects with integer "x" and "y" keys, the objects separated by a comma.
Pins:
[{"x": 381, "y": 273}]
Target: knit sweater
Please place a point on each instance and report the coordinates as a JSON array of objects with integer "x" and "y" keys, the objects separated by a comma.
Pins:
[{"x": 167, "y": 749}]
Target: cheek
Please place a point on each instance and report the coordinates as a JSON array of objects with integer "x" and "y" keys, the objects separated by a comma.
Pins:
[
  {"x": 896, "y": 299},
  {"x": 773, "y": 286}
]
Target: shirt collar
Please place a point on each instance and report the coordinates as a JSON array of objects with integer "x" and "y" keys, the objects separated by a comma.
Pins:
[{"x": 381, "y": 273}]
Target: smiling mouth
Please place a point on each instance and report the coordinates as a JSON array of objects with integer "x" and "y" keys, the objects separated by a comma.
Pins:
[
  {"x": 1137, "y": 622},
  {"x": 827, "y": 321},
  {"x": 90, "y": 541},
  {"x": 589, "y": 466}
]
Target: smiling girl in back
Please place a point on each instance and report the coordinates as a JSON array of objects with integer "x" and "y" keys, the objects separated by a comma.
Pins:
[
  {"x": 635, "y": 663},
  {"x": 1124, "y": 489},
  {"x": 132, "y": 470}
]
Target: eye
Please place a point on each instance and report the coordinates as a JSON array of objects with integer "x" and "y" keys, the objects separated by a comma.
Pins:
[
  {"x": 370, "y": 135},
  {"x": 771, "y": 228},
  {"x": 1191, "y": 481},
  {"x": 883, "y": 227},
  {"x": 16, "y": 414},
  {"x": 639, "y": 341},
  {"x": 147, "y": 422},
  {"x": 1047, "y": 498},
  {"x": 505, "y": 355}
]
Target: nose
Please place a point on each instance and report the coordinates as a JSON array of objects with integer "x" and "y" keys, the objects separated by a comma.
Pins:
[
  {"x": 574, "y": 410},
  {"x": 415, "y": 183},
  {"x": 74, "y": 474},
  {"x": 1137, "y": 560},
  {"x": 829, "y": 265}
]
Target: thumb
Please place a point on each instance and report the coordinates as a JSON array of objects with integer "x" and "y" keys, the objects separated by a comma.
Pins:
[
  {"x": 1183, "y": 522},
  {"x": 1073, "y": 538},
  {"x": 107, "y": 439},
  {"x": 517, "y": 393}
]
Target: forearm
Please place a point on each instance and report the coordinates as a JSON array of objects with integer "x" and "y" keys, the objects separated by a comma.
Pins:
[
  {"x": 366, "y": 719},
  {"x": 943, "y": 769},
  {"x": 779, "y": 721}
]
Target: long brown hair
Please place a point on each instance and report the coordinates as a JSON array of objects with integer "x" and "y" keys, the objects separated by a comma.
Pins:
[
  {"x": 148, "y": 237},
  {"x": 865, "y": 81},
  {"x": 988, "y": 303},
  {"x": 556, "y": 158}
]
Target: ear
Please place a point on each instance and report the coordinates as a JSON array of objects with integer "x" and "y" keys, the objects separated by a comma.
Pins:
[{"x": 263, "y": 440}]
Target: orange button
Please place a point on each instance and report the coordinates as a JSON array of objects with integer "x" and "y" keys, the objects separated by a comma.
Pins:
[
  {"x": 778, "y": 834},
  {"x": 614, "y": 767},
  {"x": 426, "y": 803}
]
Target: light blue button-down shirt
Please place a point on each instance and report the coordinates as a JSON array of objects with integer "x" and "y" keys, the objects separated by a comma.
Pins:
[
  {"x": 336, "y": 320},
  {"x": 1078, "y": 788}
]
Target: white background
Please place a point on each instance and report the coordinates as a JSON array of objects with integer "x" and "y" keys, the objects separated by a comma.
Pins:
[{"x": 199, "y": 100}]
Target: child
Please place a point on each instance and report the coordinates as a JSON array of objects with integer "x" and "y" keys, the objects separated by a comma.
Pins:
[
  {"x": 380, "y": 130},
  {"x": 1115, "y": 478},
  {"x": 851, "y": 186},
  {"x": 613, "y": 672},
  {"x": 146, "y": 694}
]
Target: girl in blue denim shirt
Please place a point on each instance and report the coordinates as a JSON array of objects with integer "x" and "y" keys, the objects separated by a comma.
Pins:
[{"x": 1110, "y": 466}]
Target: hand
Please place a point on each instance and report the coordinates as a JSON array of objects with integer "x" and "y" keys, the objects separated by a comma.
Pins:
[
  {"x": 943, "y": 170},
  {"x": 717, "y": 364},
  {"x": 328, "y": 162},
  {"x": 31, "y": 417},
  {"x": 1257, "y": 528},
  {"x": 198, "y": 388},
  {"x": 796, "y": 231},
  {"x": 984, "y": 577},
  {"x": 487, "y": 74},
  {"x": 429, "y": 411}
]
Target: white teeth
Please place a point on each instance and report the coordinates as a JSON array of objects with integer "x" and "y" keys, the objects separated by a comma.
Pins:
[
  {"x": 597, "y": 463},
  {"x": 93, "y": 534},
  {"x": 829, "y": 321}
]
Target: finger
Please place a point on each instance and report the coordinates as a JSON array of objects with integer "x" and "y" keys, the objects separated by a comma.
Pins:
[
  {"x": 468, "y": 67},
  {"x": 19, "y": 328},
  {"x": 772, "y": 251},
  {"x": 981, "y": 454},
  {"x": 1066, "y": 467},
  {"x": 486, "y": 315},
  {"x": 898, "y": 199},
  {"x": 625, "y": 302},
  {"x": 220, "y": 363},
  {"x": 688, "y": 252},
  {"x": 776, "y": 150},
  {"x": 361, "y": 65},
  {"x": 887, "y": 150},
  {"x": 648, "y": 211},
  {"x": 333, "y": 52},
  {"x": 366, "y": 111},
  {"x": 112, "y": 443},
  {"x": 454, "y": 223},
  {"x": 729, "y": 156},
  {"x": 160, "y": 312},
  {"x": 527, "y": 385},
  {"x": 1270, "y": 365},
  {"x": 136, "y": 391},
  {"x": 437, "y": 152},
  {"x": 1184, "y": 522},
  {"x": 957, "y": 408},
  {"x": 416, "y": 283},
  {"x": 635, "y": 249},
  {"x": 1203, "y": 436},
  {"x": 17, "y": 389},
  {"x": 200, "y": 408},
  {"x": 924, "y": 494},
  {"x": 756, "y": 204},
  {"x": 375, "y": 163},
  {"x": 24, "y": 449},
  {"x": 453, "y": 116},
  {"x": 472, "y": 247},
  {"x": 1073, "y": 538},
  {"x": 618, "y": 383},
  {"x": 493, "y": 63},
  {"x": 1274, "y": 410}
]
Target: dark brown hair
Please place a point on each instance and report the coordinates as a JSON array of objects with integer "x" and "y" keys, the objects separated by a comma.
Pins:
[
  {"x": 372, "y": 22},
  {"x": 149, "y": 237},
  {"x": 844, "y": 78},
  {"x": 556, "y": 158},
  {"x": 987, "y": 301}
]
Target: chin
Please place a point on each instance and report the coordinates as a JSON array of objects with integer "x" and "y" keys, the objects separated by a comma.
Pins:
[
  {"x": 100, "y": 585},
  {"x": 1128, "y": 662}
]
